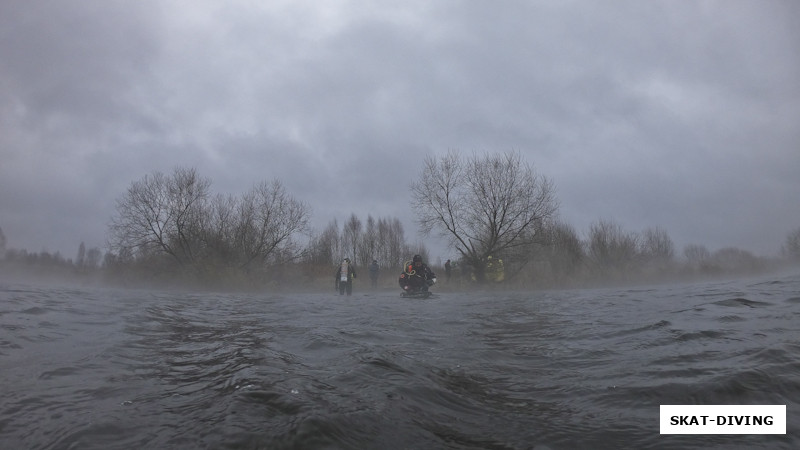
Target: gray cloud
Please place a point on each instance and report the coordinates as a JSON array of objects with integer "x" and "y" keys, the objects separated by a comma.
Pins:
[{"x": 674, "y": 114}]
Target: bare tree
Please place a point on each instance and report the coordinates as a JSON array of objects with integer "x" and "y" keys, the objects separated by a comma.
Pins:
[
  {"x": 219, "y": 228},
  {"x": 484, "y": 206},
  {"x": 697, "y": 256},
  {"x": 695, "y": 253},
  {"x": 791, "y": 249},
  {"x": 268, "y": 218},
  {"x": 161, "y": 213},
  {"x": 563, "y": 250},
  {"x": 368, "y": 243},
  {"x": 656, "y": 246},
  {"x": 382, "y": 239},
  {"x": 351, "y": 235},
  {"x": 610, "y": 247},
  {"x": 331, "y": 242},
  {"x": 732, "y": 259},
  {"x": 188, "y": 193},
  {"x": 391, "y": 240},
  {"x": 80, "y": 260},
  {"x": 323, "y": 248},
  {"x": 2, "y": 244},
  {"x": 93, "y": 258}
]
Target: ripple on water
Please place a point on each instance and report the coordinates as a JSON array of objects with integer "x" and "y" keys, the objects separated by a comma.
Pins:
[
  {"x": 584, "y": 369},
  {"x": 742, "y": 302}
]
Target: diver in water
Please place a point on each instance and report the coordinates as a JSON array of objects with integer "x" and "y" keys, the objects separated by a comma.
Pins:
[
  {"x": 374, "y": 271},
  {"x": 416, "y": 276}
]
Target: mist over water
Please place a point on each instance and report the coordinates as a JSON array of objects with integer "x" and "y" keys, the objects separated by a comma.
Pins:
[{"x": 102, "y": 368}]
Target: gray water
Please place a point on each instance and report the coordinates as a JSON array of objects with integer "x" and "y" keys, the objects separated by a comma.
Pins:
[{"x": 95, "y": 368}]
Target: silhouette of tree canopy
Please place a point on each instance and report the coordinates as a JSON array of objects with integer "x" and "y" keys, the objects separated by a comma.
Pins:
[
  {"x": 485, "y": 206},
  {"x": 175, "y": 216},
  {"x": 791, "y": 248}
]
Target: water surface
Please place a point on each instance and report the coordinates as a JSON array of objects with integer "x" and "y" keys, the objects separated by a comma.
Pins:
[{"x": 95, "y": 368}]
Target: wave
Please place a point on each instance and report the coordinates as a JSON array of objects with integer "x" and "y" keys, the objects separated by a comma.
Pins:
[{"x": 572, "y": 369}]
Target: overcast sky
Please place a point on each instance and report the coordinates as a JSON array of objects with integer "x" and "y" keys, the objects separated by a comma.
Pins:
[{"x": 679, "y": 114}]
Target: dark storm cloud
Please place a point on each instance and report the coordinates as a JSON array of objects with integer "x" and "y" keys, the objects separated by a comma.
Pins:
[{"x": 673, "y": 114}]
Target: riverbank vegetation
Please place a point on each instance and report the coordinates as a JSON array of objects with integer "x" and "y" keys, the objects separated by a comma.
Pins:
[{"x": 498, "y": 215}]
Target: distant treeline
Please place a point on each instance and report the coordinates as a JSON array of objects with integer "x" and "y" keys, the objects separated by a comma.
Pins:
[
  {"x": 609, "y": 255},
  {"x": 498, "y": 214},
  {"x": 171, "y": 229}
]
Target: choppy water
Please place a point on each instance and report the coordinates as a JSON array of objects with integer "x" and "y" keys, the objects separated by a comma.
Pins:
[{"x": 97, "y": 368}]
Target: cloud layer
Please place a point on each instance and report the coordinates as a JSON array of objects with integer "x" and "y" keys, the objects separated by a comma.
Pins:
[{"x": 673, "y": 114}]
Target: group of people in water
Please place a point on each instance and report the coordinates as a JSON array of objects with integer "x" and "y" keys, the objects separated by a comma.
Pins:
[{"x": 416, "y": 276}]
